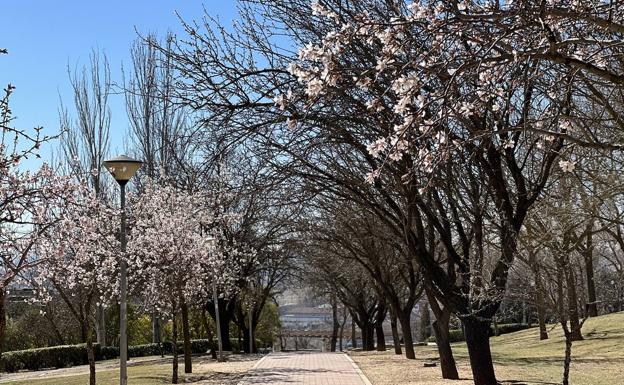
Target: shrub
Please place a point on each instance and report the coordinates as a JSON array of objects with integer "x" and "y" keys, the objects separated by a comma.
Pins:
[
  {"x": 51, "y": 357},
  {"x": 510, "y": 328},
  {"x": 71, "y": 355},
  {"x": 106, "y": 352}
]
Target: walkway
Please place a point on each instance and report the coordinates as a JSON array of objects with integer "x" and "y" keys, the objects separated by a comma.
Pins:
[{"x": 299, "y": 368}]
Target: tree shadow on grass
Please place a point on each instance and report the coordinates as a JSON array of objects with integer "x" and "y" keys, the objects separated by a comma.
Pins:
[
  {"x": 524, "y": 382},
  {"x": 216, "y": 378}
]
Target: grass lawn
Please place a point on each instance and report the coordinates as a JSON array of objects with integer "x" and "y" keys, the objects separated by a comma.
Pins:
[
  {"x": 519, "y": 358},
  {"x": 152, "y": 371}
]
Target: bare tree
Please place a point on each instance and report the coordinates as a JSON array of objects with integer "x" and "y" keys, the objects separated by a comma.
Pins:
[{"x": 85, "y": 138}]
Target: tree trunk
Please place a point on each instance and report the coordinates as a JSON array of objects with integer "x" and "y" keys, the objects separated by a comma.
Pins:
[
  {"x": 381, "y": 339},
  {"x": 395, "y": 334},
  {"x": 380, "y": 317},
  {"x": 592, "y": 306},
  {"x": 100, "y": 324},
  {"x": 443, "y": 341},
  {"x": 156, "y": 332},
  {"x": 174, "y": 347},
  {"x": 575, "y": 323},
  {"x": 91, "y": 357},
  {"x": 568, "y": 359},
  {"x": 424, "y": 322},
  {"x": 225, "y": 316},
  {"x": 2, "y": 318},
  {"x": 477, "y": 334},
  {"x": 244, "y": 330},
  {"x": 353, "y": 334},
  {"x": 404, "y": 320},
  {"x": 541, "y": 316},
  {"x": 335, "y": 325},
  {"x": 87, "y": 335},
  {"x": 156, "y": 339},
  {"x": 186, "y": 332},
  {"x": 342, "y": 325},
  {"x": 368, "y": 339},
  {"x": 539, "y": 301},
  {"x": 447, "y": 361},
  {"x": 364, "y": 334},
  {"x": 370, "y": 331},
  {"x": 226, "y": 311}
]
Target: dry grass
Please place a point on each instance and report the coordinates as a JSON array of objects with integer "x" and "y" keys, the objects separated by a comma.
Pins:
[
  {"x": 149, "y": 371},
  {"x": 519, "y": 358}
]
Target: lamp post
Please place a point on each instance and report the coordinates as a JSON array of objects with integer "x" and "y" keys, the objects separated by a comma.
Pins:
[
  {"x": 212, "y": 242},
  {"x": 250, "y": 310},
  {"x": 122, "y": 168}
]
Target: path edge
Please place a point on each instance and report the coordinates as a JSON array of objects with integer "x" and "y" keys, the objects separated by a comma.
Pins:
[
  {"x": 357, "y": 370},
  {"x": 244, "y": 380}
]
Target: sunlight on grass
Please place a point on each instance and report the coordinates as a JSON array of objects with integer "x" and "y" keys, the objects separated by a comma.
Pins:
[
  {"x": 520, "y": 356},
  {"x": 150, "y": 373},
  {"x": 139, "y": 375}
]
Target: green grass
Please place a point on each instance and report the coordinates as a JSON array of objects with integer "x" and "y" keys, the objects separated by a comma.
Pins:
[
  {"x": 519, "y": 356},
  {"x": 143, "y": 373},
  {"x": 138, "y": 375}
]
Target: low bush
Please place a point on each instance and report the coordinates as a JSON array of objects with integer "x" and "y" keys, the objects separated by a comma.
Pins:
[
  {"x": 71, "y": 355},
  {"x": 52, "y": 357}
]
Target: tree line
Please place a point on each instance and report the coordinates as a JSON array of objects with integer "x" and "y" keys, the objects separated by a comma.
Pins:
[{"x": 389, "y": 151}]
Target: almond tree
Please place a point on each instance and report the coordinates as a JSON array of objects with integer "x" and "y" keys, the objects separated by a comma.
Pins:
[
  {"x": 458, "y": 110},
  {"x": 26, "y": 199},
  {"x": 478, "y": 84},
  {"x": 170, "y": 259},
  {"x": 80, "y": 262}
]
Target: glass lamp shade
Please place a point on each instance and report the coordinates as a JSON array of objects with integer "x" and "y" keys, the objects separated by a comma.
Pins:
[{"x": 122, "y": 168}]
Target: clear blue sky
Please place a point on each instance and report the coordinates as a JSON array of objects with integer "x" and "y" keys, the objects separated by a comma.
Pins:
[{"x": 44, "y": 37}]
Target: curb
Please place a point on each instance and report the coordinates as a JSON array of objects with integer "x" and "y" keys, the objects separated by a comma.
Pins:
[
  {"x": 244, "y": 380},
  {"x": 357, "y": 370}
]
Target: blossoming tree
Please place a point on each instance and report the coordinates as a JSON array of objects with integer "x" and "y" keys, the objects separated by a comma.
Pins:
[
  {"x": 26, "y": 199},
  {"x": 171, "y": 260},
  {"x": 477, "y": 84},
  {"x": 459, "y": 111},
  {"x": 80, "y": 261}
]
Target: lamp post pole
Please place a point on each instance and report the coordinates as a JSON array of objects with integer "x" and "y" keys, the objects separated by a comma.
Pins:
[
  {"x": 251, "y": 341},
  {"x": 122, "y": 168},
  {"x": 215, "y": 299},
  {"x": 123, "y": 326}
]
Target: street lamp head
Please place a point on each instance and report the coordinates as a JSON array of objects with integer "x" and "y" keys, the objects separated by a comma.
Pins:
[{"x": 122, "y": 168}]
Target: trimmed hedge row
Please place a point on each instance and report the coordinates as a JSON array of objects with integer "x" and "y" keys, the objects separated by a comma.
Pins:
[
  {"x": 457, "y": 335},
  {"x": 71, "y": 355}
]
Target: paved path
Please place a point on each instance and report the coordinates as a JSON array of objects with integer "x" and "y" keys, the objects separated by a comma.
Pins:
[{"x": 305, "y": 368}]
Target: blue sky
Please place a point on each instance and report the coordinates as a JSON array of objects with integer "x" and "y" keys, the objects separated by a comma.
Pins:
[{"x": 44, "y": 37}]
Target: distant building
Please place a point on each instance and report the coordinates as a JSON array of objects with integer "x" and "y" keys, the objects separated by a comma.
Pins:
[{"x": 296, "y": 317}]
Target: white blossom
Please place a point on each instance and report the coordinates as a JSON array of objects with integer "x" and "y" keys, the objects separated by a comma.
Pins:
[
  {"x": 377, "y": 147},
  {"x": 567, "y": 166}
]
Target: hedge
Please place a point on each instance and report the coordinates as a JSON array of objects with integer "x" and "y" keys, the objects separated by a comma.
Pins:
[
  {"x": 70, "y": 355},
  {"x": 457, "y": 335}
]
